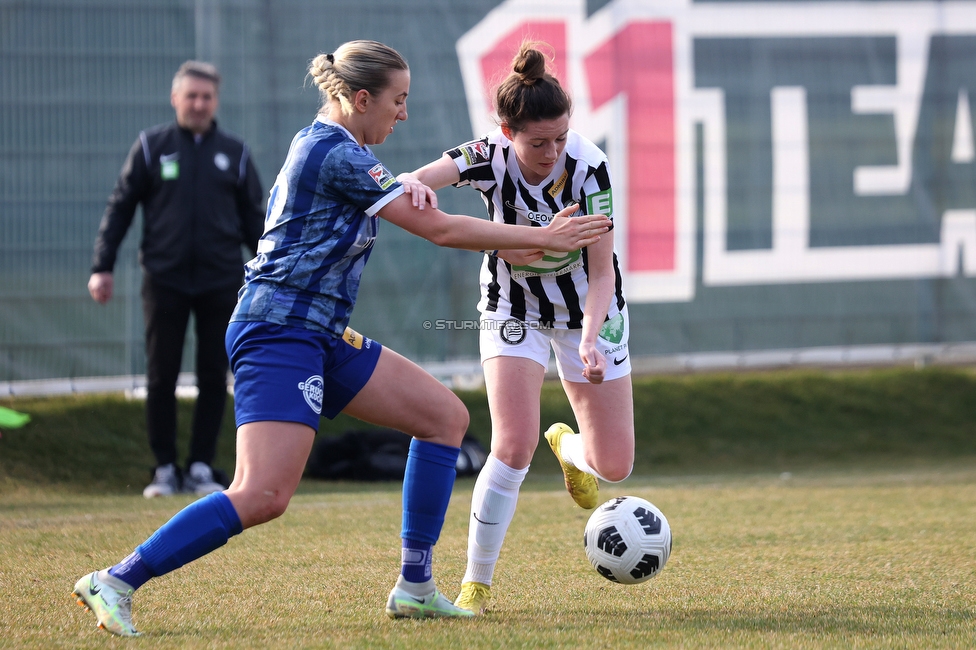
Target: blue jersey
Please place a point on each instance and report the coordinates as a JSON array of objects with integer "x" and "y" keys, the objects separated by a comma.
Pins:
[{"x": 318, "y": 233}]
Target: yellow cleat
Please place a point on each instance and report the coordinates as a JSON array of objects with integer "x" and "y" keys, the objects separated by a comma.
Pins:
[
  {"x": 474, "y": 597},
  {"x": 583, "y": 487}
]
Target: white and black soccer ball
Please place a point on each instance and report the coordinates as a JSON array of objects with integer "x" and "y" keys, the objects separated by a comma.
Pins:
[{"x": 627, "y": 540}]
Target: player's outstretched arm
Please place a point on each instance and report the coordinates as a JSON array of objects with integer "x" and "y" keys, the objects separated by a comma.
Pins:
[{"x": 470, "y": 233}]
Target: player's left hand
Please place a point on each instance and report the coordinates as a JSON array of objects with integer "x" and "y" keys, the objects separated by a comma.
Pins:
[
  {"x": 594, "y": 364},
  {"x": 420, "y": 194},
  {"x": 521, "y": 257}
]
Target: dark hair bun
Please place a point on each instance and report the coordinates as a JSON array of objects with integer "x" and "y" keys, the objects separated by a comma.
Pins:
[
  {"x": 530, "y": 92},
  {"x": 530, "y": 66}
]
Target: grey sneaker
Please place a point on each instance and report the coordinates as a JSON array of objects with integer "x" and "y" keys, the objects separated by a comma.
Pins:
[
  {"x": 402, "y": 604},
  {"x": 165, "y": 483},
  {"x": 199, "y": 479},
  {"x": 110, "y": 600}
]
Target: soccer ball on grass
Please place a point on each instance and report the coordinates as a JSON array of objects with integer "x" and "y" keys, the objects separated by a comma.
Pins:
[{"x": 627, "y": 540}]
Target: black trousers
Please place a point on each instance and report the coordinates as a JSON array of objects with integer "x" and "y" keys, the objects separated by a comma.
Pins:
[{"x": 167, "y": 314}]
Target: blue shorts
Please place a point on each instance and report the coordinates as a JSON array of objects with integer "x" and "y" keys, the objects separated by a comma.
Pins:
[{"x": 290, "y": 374}]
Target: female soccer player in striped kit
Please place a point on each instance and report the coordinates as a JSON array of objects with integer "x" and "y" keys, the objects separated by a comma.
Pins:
[
  {"x": 294, "y": 358},
  {"x": 528, "y": 170}
]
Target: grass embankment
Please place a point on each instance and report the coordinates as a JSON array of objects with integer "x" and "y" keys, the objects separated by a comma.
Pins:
[{"x": 716, "y": 423}]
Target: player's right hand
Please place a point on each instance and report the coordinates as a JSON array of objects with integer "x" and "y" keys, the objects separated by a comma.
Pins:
[
  {"x": 100, "y": 287},
  {"x": 572, "y": 233},
  {"x": 594, "y": 364}
]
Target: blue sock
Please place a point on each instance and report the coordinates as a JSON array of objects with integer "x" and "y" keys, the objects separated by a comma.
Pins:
[
  {"x": 416, "y": 559},
  {"x": 194, "y": 531},
  {"x": 427, "y": 484},
  {"x": 132, "y": 571}
]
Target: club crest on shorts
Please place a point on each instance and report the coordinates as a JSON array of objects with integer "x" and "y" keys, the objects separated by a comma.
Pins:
[
  {"x": 513, "y": 331},
  {"x": 313, "y": 389}
]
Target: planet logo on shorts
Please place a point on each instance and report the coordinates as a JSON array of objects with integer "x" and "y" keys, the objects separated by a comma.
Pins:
[
  {"x": 513, "y": 331},
  {"x": 313, "y": 389}
]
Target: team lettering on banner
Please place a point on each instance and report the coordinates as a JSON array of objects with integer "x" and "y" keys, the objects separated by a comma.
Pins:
[{"x": 800, "y": 142}]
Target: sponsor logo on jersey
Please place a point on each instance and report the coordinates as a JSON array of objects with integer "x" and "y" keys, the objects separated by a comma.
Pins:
[
  {"x": 382, "y": 176},
  {"x": 600, "y": 203},
  {"x": 557, "y": 187},
  {"x": 222, "y": 161},
  {"x": 541, "y": 218},
  {"x": 313, "y": 389},
  {"x": 475, "y": 153},
  {"x": 513, "y": 331},
  {"x": 564, "y": 263}
]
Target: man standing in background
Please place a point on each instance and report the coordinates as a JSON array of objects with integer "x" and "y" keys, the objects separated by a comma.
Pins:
[{"x": 201, "y": 200}]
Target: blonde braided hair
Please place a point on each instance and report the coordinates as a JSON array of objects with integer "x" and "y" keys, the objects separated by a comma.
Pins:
[{"x": 354, "y": 66}]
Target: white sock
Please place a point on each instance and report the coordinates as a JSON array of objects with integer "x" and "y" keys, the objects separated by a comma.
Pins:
[
  {"x": 115, "y": 583},
  {"x": 492, "y": 508},
  {"x": 571, "y": 448},
  {"x": 418, "y": 589}
]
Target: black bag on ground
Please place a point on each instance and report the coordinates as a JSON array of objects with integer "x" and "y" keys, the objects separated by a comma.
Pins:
[{"x": 378, "y": 455}]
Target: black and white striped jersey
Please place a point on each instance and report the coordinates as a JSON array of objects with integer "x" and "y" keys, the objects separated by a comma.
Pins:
[{"x": 553, "y": 290}]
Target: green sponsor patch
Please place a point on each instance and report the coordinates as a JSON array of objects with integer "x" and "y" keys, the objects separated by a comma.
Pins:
[
  {"x": 600, "y": 203},
  {"x": 613, "y": 329},
  {"x": 550, "y": 263}
]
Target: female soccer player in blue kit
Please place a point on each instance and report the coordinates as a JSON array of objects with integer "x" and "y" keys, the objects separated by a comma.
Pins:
[
  {"x": 294, "y": 358},
  {"x": 528, "y": 170}
]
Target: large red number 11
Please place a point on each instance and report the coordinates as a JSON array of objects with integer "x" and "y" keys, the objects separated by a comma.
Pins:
[{"x": 638, "y": 63}]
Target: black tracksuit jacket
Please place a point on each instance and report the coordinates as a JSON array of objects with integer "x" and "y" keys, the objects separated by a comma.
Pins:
[{"x": 201, "y": 202}]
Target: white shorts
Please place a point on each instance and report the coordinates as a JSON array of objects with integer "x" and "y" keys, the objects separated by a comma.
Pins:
[{"x": 503, "y": 336}]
